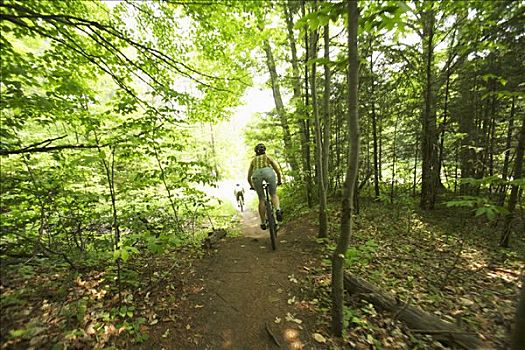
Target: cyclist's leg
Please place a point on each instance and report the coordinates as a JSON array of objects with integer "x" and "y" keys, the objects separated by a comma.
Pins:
[
  {"x": 257, "y": 178},
  {"x": 262, "y": 210},
  {"x": 270, "y": 177},
  {"x": 275, "y": 201}
]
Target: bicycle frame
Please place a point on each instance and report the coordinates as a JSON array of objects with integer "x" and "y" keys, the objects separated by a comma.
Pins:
[{"x": 240, "y": 202}]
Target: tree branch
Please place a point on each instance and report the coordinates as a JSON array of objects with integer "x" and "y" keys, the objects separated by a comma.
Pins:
[
  {"x": 77, "y": 22},
  {"x": 45, "y": 149}
]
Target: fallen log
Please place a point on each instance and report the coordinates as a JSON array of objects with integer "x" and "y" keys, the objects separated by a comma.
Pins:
[
  {"x": 213, "y": 237},
  {"x": 416, "y": 319}
]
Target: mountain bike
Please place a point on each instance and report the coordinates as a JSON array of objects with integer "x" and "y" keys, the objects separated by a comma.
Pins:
[
  {"x": 271, "y": 222},
  {"x": 240, "y": 202}
]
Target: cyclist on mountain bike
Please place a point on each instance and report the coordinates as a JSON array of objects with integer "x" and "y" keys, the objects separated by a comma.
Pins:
[
  {"x": 265, "y": 168},
  {"x": 239, "y": 193}
]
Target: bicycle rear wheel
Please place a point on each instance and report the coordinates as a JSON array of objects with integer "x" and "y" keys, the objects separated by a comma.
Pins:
[
  {"x": 241, "y": 203},
  {"x": 272, "y": 225}
]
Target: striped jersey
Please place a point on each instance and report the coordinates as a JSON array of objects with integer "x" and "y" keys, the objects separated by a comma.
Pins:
[{"x": 261, "y": 161}]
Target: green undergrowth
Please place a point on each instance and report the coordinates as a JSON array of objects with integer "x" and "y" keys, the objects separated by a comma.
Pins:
[
  {"x": 46, "y": 303},
  {"x": 446, "y": 262},
  {"x": 293, "y": 201}
]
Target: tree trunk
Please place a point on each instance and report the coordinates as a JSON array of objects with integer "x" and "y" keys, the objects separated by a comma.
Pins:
[
  {"x": 305, "y": 175},
  {"x": 326, "y": 108},
  {"x": 110, "y": 176},
  {"x": 414, "y": 185},
  {"x": 492, "y": 133},
  {"x": 394, "y": 157},
  {"x": 351, "y": 173},
  {"x": 323, "y": 220},
  {"x": 166, "y": 187},
  {"x": 513, "y": 199},
  {"x": 429, "y": 137},
  {"x": 467, "y": 154},
  {"x": 279, "y": 106},
  {"x": 484, "y": 140},
  {"x": 338, "y": 147},
  {"x": 456, "y": 170},
  {"x": 380, "y": 136},
  {"x": 306, "y": 122},
  {"x": 506, "y": 161},
  {"x": 374, "y": 127},
  {"x": 214, "y": 151},
  {"x": 443, "y": 127}
]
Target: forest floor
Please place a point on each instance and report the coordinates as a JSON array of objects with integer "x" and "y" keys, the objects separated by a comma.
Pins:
[{"x": 242, "y": 295}]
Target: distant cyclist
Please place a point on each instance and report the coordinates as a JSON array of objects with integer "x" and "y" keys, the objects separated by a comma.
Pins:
[
  {"x": 239, "y": 194},
  {"x": 265, "y": 168}
]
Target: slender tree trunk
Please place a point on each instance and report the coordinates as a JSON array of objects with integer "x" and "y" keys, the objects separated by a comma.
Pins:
[
  {"x": 506, "y": 161},
  {"x": 326, "y": 108},
  {"x": 314, "y": 38},
  {"x": 323, "y": 221},
  {"x": 374, "y": 127},
  {"x": 484, "y": 140},
  {"x": 213, "y": 151},
  {"x": 394, "y": 157},
  {"x": 293, "y": 48},
  {"x": 110, "y": 175},
  {"x": 306, "y": 122},
  {"x": 429, "y": 137},
  {"x": 467, "y": 154},
  {"x": 493, "y": 113},
  {"x": 170, "y": 197},
  {"x": 456, "y": 170},
  {"x": 443, "y": 127},
  {"x": 445, "y": 113},
  {"x": 279, "y": 106},
  {"x": 380, "y": 137},
  {"x": 338, "y": 148},
  {"x": 297, "y": 101},
  {"x": 513, "y": 199},
  {"x": 367, "y": 155},
  {"x": 43, "y": 227},
  {"x": 351, "y": 173},
  {"x": 491, "y": 145},
  {"x": 414, "y": 185}
]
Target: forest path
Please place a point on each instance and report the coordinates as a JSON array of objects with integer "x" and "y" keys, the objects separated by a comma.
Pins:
[{"x": 243, "y": 287}]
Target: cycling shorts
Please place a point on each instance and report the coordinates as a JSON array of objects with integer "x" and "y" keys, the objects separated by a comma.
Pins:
[{"x": 269, "y": 176}]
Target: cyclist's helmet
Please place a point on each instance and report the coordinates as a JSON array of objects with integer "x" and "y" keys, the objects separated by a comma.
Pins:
[{"x": 260, "y": 149}]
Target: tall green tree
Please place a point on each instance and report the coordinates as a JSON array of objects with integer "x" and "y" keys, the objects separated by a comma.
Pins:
[{"x": 339, "y": 254}]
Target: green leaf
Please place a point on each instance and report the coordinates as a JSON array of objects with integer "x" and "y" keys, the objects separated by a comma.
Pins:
[
  {"x": 313, "y": 23},
  {"x": 323, "y": 19},
  {"x": 102, "y": 155},
  {"x": 124, "y": 254},
  {"x": 403, "y": 6},
  {"x": 17, "y": 333},
  {"x": 117, "y": 253}
]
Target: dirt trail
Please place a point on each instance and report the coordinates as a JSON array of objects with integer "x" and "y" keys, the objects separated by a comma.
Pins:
[{"x": 243, "y": 287}]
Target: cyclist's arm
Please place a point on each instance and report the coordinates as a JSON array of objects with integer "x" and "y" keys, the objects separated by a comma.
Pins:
[{"x": 277, "y": 169}]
